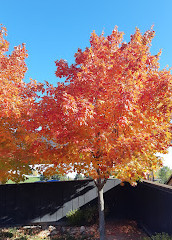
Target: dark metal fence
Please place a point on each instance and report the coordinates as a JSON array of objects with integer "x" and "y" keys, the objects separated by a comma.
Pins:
[
  {"x": 45, "y": 202},
  {"x": 148, "y": 203},
  {"x": 153, "y": 206}
]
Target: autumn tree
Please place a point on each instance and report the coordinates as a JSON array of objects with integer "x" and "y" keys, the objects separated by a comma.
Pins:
[
  {"x": 110, "y": 116},
  {"x": 16, "y": 107}
]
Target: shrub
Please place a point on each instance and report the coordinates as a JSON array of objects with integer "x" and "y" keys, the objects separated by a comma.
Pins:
[
  {"x": 75, "y": 217},
  {"x": 159, "y": 236},
  {"x": 4, "y": 235},
  {"x": 86, "y": 216}
]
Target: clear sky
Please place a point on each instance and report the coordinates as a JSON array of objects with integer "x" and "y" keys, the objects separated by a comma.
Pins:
[{"x": 55, "y": 29}]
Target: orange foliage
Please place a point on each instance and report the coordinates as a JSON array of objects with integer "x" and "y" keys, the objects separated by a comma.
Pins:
[
  {"x": 110, "y": 117},
  {"x": 113, "y": 113},
  {"x": 16, "y": 102}
]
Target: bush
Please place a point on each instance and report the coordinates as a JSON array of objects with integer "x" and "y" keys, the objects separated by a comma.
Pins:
[
  {"x": 86, "y": 216},
  {"x": 75, "y": 217},
  {"x": 4, "y": 235},
  {"x": 159, "y": 236}
]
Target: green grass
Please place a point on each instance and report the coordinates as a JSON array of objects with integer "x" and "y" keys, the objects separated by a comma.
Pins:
[{"x": 29, "y": 180}]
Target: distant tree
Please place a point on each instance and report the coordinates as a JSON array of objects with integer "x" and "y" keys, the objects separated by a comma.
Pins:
[
  {"x": 44, "y": 177},
  {"x": 78, "y": 176},
  {"x": 164, "y": 173}
]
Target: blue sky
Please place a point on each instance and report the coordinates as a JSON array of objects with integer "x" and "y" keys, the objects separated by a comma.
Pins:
[{"x": 55, "y": 29}]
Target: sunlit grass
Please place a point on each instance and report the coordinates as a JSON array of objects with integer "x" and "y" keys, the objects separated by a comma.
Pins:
[{"x": 28, "y": 180}]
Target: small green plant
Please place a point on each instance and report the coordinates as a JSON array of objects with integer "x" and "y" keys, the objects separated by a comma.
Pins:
[
  {"x": 75, "y": 217},
  {"x": 86, "y": 216},
  {"x": 4, "y": 235},
  {"x": 159, "y": 236}
]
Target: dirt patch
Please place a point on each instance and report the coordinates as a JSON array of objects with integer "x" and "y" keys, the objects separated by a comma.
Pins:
[{"x": 124, "y": 230}]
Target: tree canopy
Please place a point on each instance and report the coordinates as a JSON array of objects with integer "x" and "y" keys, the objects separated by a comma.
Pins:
[
  {"x": 16, "y": 102},
  {"x": 113, "y": 113},
  {"x": 110, "y": 116}
]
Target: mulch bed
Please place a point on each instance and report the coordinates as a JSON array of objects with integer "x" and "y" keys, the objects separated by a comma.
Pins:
[
  {"x": 115, "y": 230},
  {"x": 124, "y": 230}
]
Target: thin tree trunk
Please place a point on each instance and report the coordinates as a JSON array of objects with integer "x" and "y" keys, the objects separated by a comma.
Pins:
[
  {"x": 100, "y": 186},
  {"x": 101, "y": 214}
]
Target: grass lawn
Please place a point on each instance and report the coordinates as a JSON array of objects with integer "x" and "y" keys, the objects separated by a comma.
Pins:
[{"x": 29, "y": 180}]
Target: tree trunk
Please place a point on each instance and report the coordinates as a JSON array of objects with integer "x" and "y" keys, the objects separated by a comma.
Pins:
[{"x": 100, "y": 185}]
